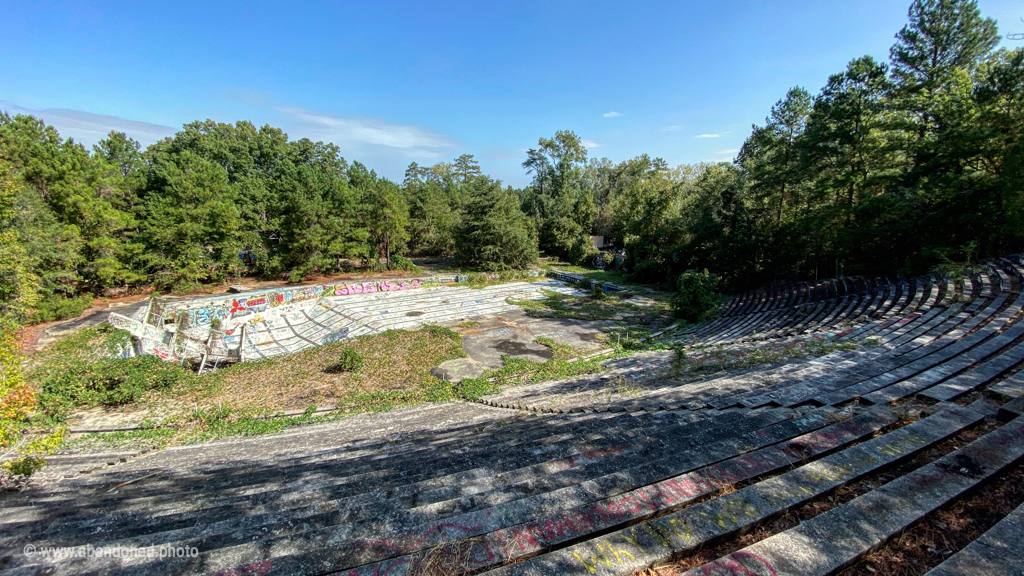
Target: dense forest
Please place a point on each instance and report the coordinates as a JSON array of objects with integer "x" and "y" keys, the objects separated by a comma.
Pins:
[{"x": 891, "y": 168}]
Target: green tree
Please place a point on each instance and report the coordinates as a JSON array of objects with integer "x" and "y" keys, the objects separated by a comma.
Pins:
[
  {"x": 495, "y": 234},
  {"x": 18, "y": 294},
  {"x": 387, "y": 217},
  {"x": 192, "y": 221},
  {"x": 643, "y": 209},
  {"x": 558, "y": 199}
]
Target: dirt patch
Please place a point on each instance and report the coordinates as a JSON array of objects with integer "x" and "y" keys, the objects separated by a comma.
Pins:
[
  {"x": 396, "y": 369},
  {"x": 415, "y": 313}
]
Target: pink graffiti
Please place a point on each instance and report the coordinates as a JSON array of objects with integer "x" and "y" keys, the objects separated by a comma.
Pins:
[{"x": 736, "y": 564}]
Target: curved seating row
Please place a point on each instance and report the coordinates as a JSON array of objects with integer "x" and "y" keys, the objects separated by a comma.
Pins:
[{"x": 633, "y": 478}]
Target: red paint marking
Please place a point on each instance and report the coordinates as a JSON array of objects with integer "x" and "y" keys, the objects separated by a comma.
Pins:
[{"x": 732, "y": 565}]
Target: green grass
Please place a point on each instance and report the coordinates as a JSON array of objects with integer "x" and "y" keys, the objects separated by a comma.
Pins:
[
  {"x": 518, "y": 371},
  {"x": 78, "y": 373}
]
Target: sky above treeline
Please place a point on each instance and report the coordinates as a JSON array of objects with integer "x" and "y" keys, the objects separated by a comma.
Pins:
[{"x": 395, "y": 82}]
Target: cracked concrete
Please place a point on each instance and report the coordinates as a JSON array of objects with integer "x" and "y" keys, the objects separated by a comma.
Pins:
[{"x": 514, "y": 334}]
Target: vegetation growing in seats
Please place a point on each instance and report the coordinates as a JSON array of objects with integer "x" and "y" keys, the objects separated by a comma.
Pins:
[
  {"x": 348, "y": 361},
  {"x": 697, "y": 295},
  {"x": 710, "y": 359}
]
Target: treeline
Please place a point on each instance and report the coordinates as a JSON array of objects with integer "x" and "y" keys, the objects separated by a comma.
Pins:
[
  {"x": 891, "y": 168},
  {"x": 217, "y": 201}
]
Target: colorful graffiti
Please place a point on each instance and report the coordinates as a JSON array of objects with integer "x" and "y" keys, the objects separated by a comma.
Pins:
[
  {"x": 191, "y": 321},
  {"x": 123, "y": 322}
]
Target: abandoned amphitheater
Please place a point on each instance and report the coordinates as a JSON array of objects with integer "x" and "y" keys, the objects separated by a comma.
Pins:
[{"x": 802, "y": 466}]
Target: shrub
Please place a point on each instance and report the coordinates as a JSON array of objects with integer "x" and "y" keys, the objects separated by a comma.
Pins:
[
  {"x": 57, "y": 308},
  {"x": 349, "y": 361},
  {"x": 399, "y": 262},
  {"x": 74, "y": 382},
  {"x": 697, "y": 295},
  {"x": 23, "y": 466}
]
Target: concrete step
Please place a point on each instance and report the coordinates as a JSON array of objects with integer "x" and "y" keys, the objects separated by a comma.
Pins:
[
  {"x": 638, "y": 547},
  {"x": 838, "y": 537}
]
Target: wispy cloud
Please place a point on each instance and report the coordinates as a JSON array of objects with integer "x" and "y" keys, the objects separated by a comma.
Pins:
[
  {"x": 611, "y": 114},
  {"x": 590, "y": 144},
  {"x": 672, "y": 128},
  {"x": 353, "y": 133},
  {"x": 708, "y": 136},
  {"x": 730, "y": 151},
  {"x": 88, "y": 128}
]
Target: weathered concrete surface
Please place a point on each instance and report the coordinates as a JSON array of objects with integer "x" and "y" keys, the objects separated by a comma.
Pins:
[
  {"x": 513, "y": 333},
  {"x": 839, "y": 536},
  {"x": 458, "y": 369}
]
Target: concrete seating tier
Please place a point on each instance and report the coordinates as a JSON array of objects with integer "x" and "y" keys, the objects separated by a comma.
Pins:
[
  {"x": 608, "y": 474},
  {"x": 337, "y": 318}
]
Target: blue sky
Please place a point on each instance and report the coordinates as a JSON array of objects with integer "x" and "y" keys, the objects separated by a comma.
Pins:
[{"x": 395, "y": 82}]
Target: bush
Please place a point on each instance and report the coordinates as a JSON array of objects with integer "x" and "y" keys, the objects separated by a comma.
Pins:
[
  {"x": 75, "y": 382},
  {"x": 55, "y": 308},
  {"x": 399, "y": 262},
  {"x": 697, "y": 295},
  {"x": 349, "y": 361}
]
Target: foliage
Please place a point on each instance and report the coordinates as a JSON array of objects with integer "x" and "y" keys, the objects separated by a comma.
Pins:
[
  {"x": 53, "y": 308},
  {"x": 349, "y": 361},
  {"x": 399, "y": 262},
  {"x": 886, "y": 170},
  {"x": 890, "y": 168},
  {"x": 495, "y": 234},
  {"x": 473, "y": 388},
  {"x": 696, "y": 296},
  {"x": 559, "y": 199},
  {"x": 77, "y": 382},
  {"x": 18, "y": 286},
  {"x": 442, "y": 332}
]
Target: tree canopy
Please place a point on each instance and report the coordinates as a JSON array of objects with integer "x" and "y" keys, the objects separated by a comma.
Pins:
[{"x": 890, "y": 168}]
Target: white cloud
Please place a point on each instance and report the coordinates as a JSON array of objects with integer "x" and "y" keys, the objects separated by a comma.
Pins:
[
  {"x": 353, "y": 133},
  {"x": 611, "y": 114},
  {"x": 707, "y": 136},
  {"x": 88, "y": 128},
  {"x": 590, "y": 144},
  {"x": 728, "y": 152},
  {"x": 672, "y": 128}
]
